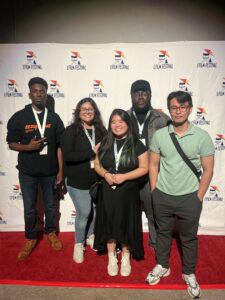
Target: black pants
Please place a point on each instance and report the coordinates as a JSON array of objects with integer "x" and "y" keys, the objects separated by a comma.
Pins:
[
  {"x": 145, "y": 195},
  {"x": 187, "y": 209}
]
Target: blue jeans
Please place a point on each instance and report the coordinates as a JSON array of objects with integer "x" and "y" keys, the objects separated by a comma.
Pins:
[
  {"x": 29, "y": 188},
  {"x": 84, "y": 222}
]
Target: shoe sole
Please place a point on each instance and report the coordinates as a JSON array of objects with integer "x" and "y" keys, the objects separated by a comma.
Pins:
[
  {"x": 112, "y": 274},
  {"x": 78, "y": 261},
  {"x": 193, "y": 297},
  {"x": 125, "y": 274},
  {"x": 25, "y": 257},
  {"x": 168, "y": 272}
]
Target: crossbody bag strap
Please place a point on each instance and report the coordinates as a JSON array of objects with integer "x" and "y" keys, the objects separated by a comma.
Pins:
[{"x": 184, "y": 156}]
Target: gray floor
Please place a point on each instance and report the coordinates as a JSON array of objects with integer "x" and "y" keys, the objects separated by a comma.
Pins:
[{"x": 14, "y": 292}]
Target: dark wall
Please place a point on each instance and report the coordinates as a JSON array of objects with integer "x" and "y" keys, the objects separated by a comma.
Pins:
[{"x": 98, "y": 21}]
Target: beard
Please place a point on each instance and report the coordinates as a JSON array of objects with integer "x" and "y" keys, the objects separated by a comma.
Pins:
[
  {"x": 141, "y": 110},
  {"x": 41, "y": 106}
]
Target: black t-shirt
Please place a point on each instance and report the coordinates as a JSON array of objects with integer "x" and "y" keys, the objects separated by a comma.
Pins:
[
  {"x": 108, "y": 160},
  {"x": 22, "y": 127}
]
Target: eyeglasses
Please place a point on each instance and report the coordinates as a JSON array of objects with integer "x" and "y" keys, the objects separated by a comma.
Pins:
[
  {"x": 182, "y": 108},
  {"x": 85, "y": 111}
]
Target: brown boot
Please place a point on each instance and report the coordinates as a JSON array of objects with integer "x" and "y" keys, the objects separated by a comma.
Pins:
[
  {"x": 27, "y": 249},
  {"x": 53, "y": 240}
]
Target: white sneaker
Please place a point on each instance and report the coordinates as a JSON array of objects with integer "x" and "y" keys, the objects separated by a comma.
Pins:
[
  {"x": 78, "y": 253},
  {"x": 192, "y": 285},
  {"x": 155, "y": 275},
  {"x": 90, "y": 241},
  {"x": 125, "y": 265},
  {"x": 112, "y": 264}
]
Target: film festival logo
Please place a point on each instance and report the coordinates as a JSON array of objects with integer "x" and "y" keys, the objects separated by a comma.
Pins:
[
  {"x": 163, "y": 61},
  {"x": 2, "y": 221},
  {"x": 184, "y": 85},
  {"x": 222, "y": 91},
  {"x": 13, "y": 91},
  {"x": 119, "y": 61},
  {"x": 200, "y": 118},
  {"x": 55, "y": 89},
  {"x": 208, "y": 60},
  {"x": 76, "y": 64},
  {"x": 72, "y": 218},
  {"x": 220, "y": 142},
  {"x": 98, "y": 90},
  {"x": 16, "y": 193},
  {"x": 31, "y": 62},
  {"x": 213, "y": 194}
]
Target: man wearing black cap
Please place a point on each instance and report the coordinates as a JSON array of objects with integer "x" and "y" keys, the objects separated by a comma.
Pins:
[
  {"x": 35, "y": 133},
  {"x": 146, "y": 121}
]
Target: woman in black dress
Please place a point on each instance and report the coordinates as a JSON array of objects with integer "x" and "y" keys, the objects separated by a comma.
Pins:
[{"x": 121, "y": 160}]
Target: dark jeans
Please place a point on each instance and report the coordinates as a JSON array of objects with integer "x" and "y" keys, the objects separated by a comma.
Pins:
[
  {"x": 29, "y": 188},
  {"x": 187, "y": 210},
  {"x": 146, "y": 198}
]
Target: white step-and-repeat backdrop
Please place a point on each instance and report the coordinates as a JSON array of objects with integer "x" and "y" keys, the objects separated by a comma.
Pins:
[{"x": 105, "y": 72}]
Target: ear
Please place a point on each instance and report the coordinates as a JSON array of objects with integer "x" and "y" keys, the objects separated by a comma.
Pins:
[{"x": 29, "y": 95}]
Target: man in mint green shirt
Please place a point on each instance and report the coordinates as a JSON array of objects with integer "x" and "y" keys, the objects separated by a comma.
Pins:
[{"x": 176, "y": 190}]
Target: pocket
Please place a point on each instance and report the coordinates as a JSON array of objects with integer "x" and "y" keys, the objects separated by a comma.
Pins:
[{"x": 199, "y": 200}]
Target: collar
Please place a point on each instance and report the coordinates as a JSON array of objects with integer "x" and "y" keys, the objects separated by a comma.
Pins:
[{"x": 190, "y": 131}]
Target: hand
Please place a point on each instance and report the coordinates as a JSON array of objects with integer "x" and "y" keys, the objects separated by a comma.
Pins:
[
  {"x": 96, "y": 148},
  {"x": 200, "y": 197},
  {"x": 119, "y": 178},
  {"x": 109, "y": 178},
  {"x": 36, "y": 144},
  {"x": 59, "y": 178}
]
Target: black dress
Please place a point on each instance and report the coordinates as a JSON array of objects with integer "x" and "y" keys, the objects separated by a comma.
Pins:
[{"x": 118, "y": 214}]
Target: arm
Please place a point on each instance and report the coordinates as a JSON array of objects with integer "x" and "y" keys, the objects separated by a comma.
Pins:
[
  {"x": 141, "y": 170},
  {"x": 33, "y": 145},
  {"x": 103, "y": 172},
  {"x": 59, "y": 177},
  {"x": 207, "y": 166},
  {"x": 153, "y": 169}
]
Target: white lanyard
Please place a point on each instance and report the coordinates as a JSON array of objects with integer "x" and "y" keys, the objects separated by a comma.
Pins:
[
  {"x": 41, "y": 128},
  {"x": 92, "y": 138},
  {"x": 117, "y": 154},
  {"x": 141, "y": 126}
]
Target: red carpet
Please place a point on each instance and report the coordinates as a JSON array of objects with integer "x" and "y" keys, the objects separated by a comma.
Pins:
[{"x": 47, "y": 267}]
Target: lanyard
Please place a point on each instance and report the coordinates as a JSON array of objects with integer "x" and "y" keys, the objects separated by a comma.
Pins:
[
  {"x": 117, "y": 154},
  {"x": 141, "y": 126},
  {"x": 41, "y": 128},
  {"x": 92, "y": 138}
]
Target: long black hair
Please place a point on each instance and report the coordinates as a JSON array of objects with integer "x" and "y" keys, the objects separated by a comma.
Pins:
[
  {"x": 128, "y": 157},
  {"x": 97, "y": 121}
]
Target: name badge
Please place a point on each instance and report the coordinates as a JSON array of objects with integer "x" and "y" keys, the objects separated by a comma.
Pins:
[
  {"x": 143, "y": 141},
  {"x": 44, "y": 150},
  {"x": 92, "y": 164}
]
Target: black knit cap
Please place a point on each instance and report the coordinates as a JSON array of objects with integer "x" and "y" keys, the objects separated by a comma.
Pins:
[
  {"x": 38, "y": 80},
  {"x": 140, "y": 85}
]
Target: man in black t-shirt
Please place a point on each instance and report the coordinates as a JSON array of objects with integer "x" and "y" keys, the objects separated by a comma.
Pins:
[
  {"x": 34, "y": 132},
  {"x": 146, "y": 120}
]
